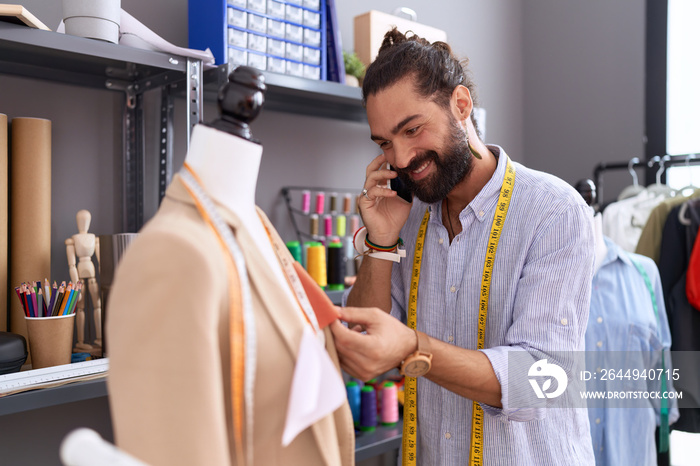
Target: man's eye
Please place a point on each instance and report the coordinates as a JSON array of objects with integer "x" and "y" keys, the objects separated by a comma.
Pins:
[
  {"x": 412, "y": 131},
  {"x": 384, "y": 144}
]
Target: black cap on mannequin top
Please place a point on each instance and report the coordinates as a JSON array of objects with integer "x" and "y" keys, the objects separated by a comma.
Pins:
[{"x": 240, "y": 101}]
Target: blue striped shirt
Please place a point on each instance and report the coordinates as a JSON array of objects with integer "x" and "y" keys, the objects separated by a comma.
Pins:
[{"x": 539, "y": 302}]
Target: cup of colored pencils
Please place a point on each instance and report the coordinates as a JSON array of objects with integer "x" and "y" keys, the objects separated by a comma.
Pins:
[
  {"x": 48, "y": 301},
  {"x": 49, "y": 315}
]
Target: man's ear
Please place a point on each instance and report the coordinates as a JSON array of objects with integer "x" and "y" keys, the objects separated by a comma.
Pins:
[{"x": 462, "y": 102}]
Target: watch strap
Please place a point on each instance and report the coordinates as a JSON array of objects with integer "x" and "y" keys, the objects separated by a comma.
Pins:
[{"x": 423, "y": 343}]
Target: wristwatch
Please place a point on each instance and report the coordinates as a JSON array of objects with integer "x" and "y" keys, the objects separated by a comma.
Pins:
[{"x": 418, "y": 363}]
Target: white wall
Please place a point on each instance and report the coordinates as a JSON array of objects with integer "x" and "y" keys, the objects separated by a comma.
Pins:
[{"x": 584, "y": 87}]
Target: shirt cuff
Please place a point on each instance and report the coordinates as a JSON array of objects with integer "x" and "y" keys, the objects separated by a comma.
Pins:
[{"x": 519, "y": 403}]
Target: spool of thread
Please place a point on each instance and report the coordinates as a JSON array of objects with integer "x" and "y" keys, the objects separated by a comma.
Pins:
[
  {"x": 316, "y": 264},
  {"x": 305, "y": 252},
  {"x": 353, "y": 389},
  {"x": 320, "y": 202},
  {"x": 390, "y": 404},
  {"x": 368, "y": 409},
  {"x": 313, "y": 224},
  {"x": 295, "y": 249},
  {"x": 334, "y": 203},
  {"x": 354, "y": 223},
  {"x": 340, "y": 225},
  {"x": 347, "y": 203},
  {"x": 306, "y": 201},
  {"x": 328, "y": 225},
  {"x": 336, "y": 266}
]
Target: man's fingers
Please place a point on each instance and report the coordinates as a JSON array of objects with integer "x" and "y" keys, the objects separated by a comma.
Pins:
[
  {"x": 357, "y": 315},
  {"x": 375, "y": 164}
]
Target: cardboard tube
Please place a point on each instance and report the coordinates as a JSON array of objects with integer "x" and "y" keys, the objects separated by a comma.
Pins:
[
  {"x": 4, "y": 283},
  {"x": 30, "y": 208}
]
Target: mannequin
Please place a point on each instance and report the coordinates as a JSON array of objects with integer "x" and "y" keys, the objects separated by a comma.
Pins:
[
  {"x": 174, "y": 310},
  {"x": 84, "y": 245}
]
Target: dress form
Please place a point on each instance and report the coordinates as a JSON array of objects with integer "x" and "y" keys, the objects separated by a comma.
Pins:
[
  {"x": 195, "y": 389},
  {"x": 226, "y": 158}
]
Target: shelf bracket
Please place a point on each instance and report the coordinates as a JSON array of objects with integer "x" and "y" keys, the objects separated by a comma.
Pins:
[
  {"x": 165, "y": 151},
  {"x": 133, "y": 160},
  {"x": 193, "y": 95}
]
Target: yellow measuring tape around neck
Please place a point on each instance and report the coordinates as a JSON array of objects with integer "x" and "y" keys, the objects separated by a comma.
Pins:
[{"x": 410, "y": 416}]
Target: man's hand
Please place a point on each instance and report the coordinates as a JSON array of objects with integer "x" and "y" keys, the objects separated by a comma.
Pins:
[
  {"x": 384, "y": 345},
  {"x": 383, "y": 212}
]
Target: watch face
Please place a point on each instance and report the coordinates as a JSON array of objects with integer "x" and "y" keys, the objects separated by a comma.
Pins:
[{"x": 416, "y": 368}]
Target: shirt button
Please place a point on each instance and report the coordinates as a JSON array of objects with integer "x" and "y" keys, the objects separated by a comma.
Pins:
[
  {"x": 599, "y": 344},
  {"x": 597, "y": 421},
  {"x": 448, "y": 435},
  {"x": 450, "y": 338},
  {"x": 481, "y": 213},
  {"x": 440, "y": 241},
  {"x": 599, "y": 320},
  {"x": 453, "y": 289},
  {"x": 599, "y": 370},
  {"x": 564, "y": 321}
]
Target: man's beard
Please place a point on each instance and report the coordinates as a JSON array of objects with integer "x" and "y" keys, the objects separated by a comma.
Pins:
[{"x": 452, "y": 167}]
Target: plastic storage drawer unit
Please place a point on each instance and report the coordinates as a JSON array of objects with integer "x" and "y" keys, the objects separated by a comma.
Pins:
[{"x": 282, "y": 36}]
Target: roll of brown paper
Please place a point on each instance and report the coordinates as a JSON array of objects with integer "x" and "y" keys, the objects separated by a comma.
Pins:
[
  {"x": 30, "y": 208},
  {"x": 4, "y": 284}
]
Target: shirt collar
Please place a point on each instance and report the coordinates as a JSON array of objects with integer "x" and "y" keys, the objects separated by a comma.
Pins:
[
  {"x": 614, "y": 253},
  {"x": 487, "y": 197}
]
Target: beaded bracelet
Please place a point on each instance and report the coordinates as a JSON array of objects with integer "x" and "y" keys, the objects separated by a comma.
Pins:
[
  {"x": 366, "y": 248},
  {"x": 376, "y": 247}
]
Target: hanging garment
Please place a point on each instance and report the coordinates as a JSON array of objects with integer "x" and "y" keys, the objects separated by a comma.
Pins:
[
  {"x": 649, "y": 243},
  {"x": 677, "y": 241},
  {"x": 622, "y": 321},
  {"x": 692, "y": 282},
  {"x": 623, "y": 221}
]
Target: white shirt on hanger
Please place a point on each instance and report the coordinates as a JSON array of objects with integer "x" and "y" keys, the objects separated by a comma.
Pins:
[{"x": 624, "y": 220}]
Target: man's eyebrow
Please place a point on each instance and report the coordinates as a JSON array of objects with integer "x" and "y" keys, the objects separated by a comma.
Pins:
[{"x": 396, "y": 128}]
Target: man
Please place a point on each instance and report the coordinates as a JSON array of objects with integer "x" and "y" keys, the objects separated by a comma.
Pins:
[{"x": 419, "y": 103}]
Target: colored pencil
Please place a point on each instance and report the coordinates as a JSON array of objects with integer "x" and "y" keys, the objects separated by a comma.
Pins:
[
  {"x": 40, "y": 303},
  {"x": 49, "y": 307},
  {"x": 67, "y": 299},
  {"x": 71, "y": 304},
  {"x": 20, "y": 295},
  {"x": 66, "y": 296},
  {"x": 33, "y": 295},
  {"x": 59, "y": 299},
  {"x": 28, "y": 297}
]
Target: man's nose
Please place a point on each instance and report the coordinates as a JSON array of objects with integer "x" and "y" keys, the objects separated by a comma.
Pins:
[{"x": 403, "y": 154}]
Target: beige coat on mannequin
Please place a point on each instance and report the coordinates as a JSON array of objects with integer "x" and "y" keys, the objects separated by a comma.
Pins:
[{"x": 168, "y": 327}]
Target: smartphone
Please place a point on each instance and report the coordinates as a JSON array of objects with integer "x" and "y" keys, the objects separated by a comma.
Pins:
[{"x": 398, "y": 186}]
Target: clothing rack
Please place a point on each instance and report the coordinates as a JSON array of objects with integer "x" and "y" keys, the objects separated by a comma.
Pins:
[{"x": 652, "y": 166}]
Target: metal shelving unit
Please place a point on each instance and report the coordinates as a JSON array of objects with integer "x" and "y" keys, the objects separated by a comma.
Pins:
[
  {"x": 301, "y": 96},
  {"x": 62, "y": 58}
]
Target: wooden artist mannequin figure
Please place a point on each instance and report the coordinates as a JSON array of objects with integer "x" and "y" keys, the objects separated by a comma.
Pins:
[
  {"x": 206, "y": 333},
  {"x": 84, "y": 245}
]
